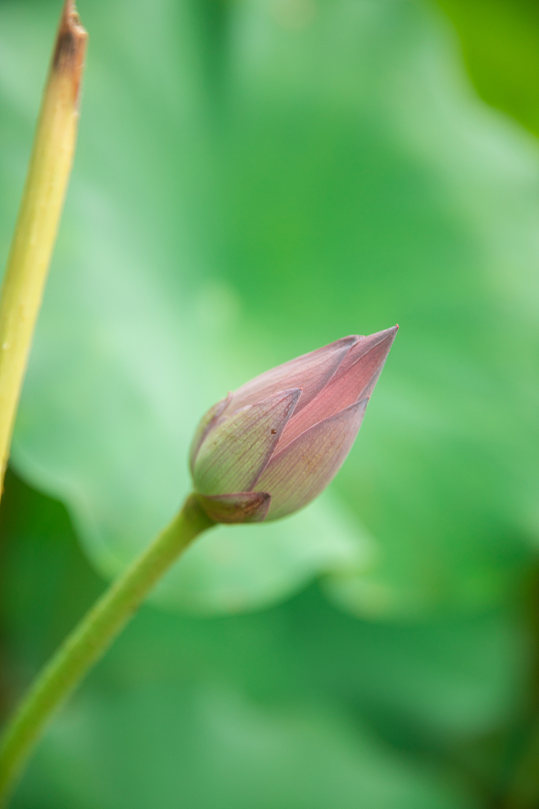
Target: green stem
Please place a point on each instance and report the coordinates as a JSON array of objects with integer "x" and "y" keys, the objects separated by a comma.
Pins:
[{"x": 92, "y": 637}]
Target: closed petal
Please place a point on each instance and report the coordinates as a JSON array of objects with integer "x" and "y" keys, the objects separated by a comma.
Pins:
[
  {"x": 239, "y": 446},
  {"x": 304, "y": 468},
  {"x": 238, "y": 507},
  {"x": 205, "y": 424},
  {"x": 372, "y": 351},
  {"x": 310, "y": 372},
  {"x": 354, "y": 380}
]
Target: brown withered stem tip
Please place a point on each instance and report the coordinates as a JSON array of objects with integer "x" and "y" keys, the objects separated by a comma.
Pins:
[{"x": 70, "y": 47}]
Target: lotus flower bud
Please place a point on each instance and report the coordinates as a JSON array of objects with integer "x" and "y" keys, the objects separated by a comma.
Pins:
[{"x": 274, "y": 444}]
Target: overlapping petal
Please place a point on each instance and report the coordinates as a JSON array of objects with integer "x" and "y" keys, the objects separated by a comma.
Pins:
[
  {"x": 354, "y": 380},
  {"x": 310, "y": 372},
  {"x": 206, "y": 423},
  {"x": 366, "y": 359},
  {"x": 271, "y": 447},
  {"x": 236, "y": 448},
  {"x": 304, "y": 468}
]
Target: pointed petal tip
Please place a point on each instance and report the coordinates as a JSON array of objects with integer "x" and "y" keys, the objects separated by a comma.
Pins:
[
  {"x": 385, "y": 337},
  {"x": 272, "y": 399},
  {"x": 291, "y": 393},
  {"x": 380, "y": 340},
  {"x": 363, "y": 343},
  {"x": 237, "y": 448},
  {"x": 354, "y": 338},
  {"x": 384, "y": 334}
]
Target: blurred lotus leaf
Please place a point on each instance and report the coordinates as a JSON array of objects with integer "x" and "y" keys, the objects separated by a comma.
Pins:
[
  {"x": 301, "y": 705},
  {"x": 502, "y": 56},
  {"x": 251, "y": 184}
]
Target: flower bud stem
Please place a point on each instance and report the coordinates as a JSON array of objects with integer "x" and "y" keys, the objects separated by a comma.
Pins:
[
  {"x": 39, "y": 216},
  {"x": 92, "y": 637}
]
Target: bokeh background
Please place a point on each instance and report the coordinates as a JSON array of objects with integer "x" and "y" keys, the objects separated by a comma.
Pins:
[{"x": 255, "y": 178}]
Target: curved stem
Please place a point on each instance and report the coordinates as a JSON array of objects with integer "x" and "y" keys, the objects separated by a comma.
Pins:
[{"x": 92, "y": 637}]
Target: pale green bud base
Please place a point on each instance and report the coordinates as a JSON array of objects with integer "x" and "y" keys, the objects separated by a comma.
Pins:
[{"x": 92, "y": 637}]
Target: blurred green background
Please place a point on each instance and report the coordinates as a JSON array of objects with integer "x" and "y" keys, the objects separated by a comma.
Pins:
[{"x": 255, "y": 178}]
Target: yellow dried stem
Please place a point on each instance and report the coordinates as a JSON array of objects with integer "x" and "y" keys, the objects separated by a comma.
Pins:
[{"x": 39, "y": 216}]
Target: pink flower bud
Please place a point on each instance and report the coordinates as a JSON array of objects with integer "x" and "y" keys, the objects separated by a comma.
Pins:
[{"x": 273, "y": 445}]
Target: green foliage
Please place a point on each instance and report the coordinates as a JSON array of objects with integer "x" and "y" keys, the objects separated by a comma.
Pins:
[
  {"x": 215, "y": 228},
  {"x": 255, "y": 179},
  {"x": 499, "y": 44},
  {"x": 300, "y": 705}
]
